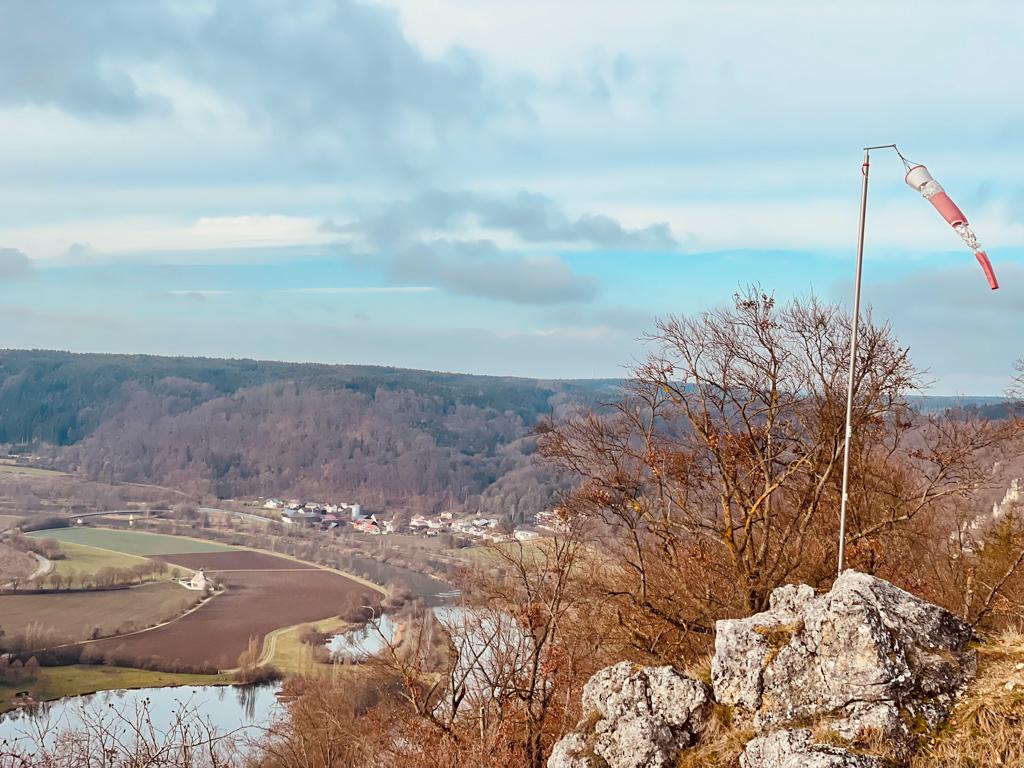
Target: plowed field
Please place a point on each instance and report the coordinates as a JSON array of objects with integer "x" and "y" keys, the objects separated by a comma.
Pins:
[{"x": 263, "y": 593}]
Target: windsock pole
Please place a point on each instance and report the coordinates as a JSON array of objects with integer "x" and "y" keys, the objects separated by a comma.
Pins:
[
  {"x": 920, "y": 180},
  {"x": 853, "y": 353}
]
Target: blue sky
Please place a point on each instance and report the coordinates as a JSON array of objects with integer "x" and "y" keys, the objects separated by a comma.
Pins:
[{"x": 506, "y": 188}]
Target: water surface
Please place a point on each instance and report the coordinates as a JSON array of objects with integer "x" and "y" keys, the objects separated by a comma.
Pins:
[{"x": 239, "y": 710}]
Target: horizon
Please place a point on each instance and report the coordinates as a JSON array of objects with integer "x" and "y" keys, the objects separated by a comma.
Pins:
[
  {"x": 383, "y": 182},
  {"x": 912, "y": 394}
]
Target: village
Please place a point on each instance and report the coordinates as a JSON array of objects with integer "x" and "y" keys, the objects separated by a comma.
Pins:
[{"x": 332, "y": 516}]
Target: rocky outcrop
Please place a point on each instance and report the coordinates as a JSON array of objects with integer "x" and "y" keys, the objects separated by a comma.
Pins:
[
  {"x": 867, "y": 665},
  {"x": 796, "y": 749},
  {"x": 866, "y": 656},
  {"x": 635, "y": 717}
]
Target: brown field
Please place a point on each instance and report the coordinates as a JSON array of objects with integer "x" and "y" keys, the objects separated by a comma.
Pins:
[
  {"x": 73, "y": 616},
  {"x": 263, "y": 593},
  {"x": 237, "y": 560}
]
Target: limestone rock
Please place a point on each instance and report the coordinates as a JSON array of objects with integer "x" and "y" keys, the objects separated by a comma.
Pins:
[
  {"x": 635, "y": 717},
  {"x": 866, "y": 655},
  {"x": 572, "y": 751},
  {"x": 796, "y": 749}
]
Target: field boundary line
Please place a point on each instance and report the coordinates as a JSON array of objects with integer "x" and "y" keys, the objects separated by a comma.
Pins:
[
  {"x": 232, "y": 548},
  {"x": 118, "y": 552},
  {"x": 269, "y": 649},
  {"x": 261, "y": 570},
  {"x": 226, "y": 547},
  {"x": 180, "y": 616},
  {"x": 346, "y": 574}
]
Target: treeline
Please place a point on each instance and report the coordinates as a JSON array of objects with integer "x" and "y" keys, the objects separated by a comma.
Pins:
[
  {"x": 107, "y": 577},
  {"x": 19, "y": 655},
  {"x": 48, "y": 548},
  {"x": 401, "y": 570},
  {"x": 13, "y": 671},
  {"x": 386, "y": 437}
]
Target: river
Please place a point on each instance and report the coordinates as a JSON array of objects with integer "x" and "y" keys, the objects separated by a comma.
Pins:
[{"x": 240, "y": 710}]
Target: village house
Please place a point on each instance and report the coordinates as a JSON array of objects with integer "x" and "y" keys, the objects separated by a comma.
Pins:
[
  {"x": 368, "y": 525},
  {"x": 300, "y": 516},
  {"x": 551, "y": 520}
]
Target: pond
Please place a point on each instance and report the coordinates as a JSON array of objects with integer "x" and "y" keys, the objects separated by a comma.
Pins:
[{"x": 239, "y": 710}]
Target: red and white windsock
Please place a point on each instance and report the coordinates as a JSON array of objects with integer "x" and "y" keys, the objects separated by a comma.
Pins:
[{"x": 918, "y": 178}]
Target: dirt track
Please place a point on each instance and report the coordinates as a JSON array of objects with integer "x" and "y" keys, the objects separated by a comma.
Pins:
[{"x": 255, "y": 603}]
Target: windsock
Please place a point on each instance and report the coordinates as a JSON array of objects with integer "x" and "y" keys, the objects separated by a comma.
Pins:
[{"x": 919, "y": 179}]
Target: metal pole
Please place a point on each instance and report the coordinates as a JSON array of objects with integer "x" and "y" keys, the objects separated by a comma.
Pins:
[{"x": 853, "y": 359}]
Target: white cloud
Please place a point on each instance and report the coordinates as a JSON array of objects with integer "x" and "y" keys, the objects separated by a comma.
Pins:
[
  {"x": 368, "y": 289},
  {"x": 98, "y": 240},
  {"x": 899, "y": 228},
  {"x": 359, "y": 290}
]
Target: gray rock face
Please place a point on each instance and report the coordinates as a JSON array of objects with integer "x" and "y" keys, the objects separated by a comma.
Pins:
[
  {"x": 635, "y": 717},
  {"x": 867, "y": 655},
  {"x": 864, "y": 660},
  {"x": 796, "y": 749}
]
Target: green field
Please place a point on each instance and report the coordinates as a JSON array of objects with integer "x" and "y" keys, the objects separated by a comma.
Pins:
[
  {"x": 79, "y": 679},
  {"x": 82, "y": 559},
  {"x": 130, "y": 542},
  {"x": 71, "y": 616},
  {"x": 282, "y": 649}
]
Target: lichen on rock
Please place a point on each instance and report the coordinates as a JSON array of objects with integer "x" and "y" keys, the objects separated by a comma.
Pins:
[
  {"x": 634, "y": 717},
  {"x": 866, "y": 655},
  {"x": 796, "y": 749},
  {"x": 867, "y": 665}
]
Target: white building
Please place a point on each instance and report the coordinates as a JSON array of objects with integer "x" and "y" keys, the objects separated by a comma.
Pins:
[{"x": 197, "y": 583}]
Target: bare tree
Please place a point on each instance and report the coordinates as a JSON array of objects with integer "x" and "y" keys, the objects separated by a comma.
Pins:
[
  {"x": 113, "y": 737},
  {"x": 716, "y": 479}
]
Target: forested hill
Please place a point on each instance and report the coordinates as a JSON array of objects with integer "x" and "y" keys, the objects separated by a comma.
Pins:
[{"x": 235, "y": 427}]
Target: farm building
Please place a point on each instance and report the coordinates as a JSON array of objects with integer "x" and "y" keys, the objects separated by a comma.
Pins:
[{"x": 198, "y": 582}]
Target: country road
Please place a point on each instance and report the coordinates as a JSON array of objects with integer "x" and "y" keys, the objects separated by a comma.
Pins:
[{"x": 43, "y": 568}]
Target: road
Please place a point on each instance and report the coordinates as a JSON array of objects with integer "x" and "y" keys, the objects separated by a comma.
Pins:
[
  {"x": 246, "y": 515},
  {"x": 142, "y": 513},
  {"x": 44, "y": 567}
]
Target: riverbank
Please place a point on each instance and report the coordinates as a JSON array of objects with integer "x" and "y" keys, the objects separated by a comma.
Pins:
[
  {"x": 281, "y": 648},
  {"x": 80, "y": 679}
]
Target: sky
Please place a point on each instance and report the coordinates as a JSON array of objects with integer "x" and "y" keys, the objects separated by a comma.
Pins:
[{"x": 501, "y": 188}]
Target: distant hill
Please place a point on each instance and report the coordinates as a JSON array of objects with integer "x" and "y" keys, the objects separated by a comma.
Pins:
[
  {"x": 388, "y": 437},
  {"x": 932, "y": 403},
  {"x": 385, "y": 436}
]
